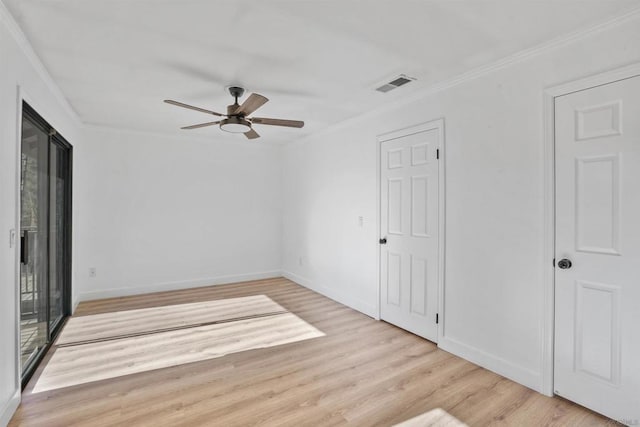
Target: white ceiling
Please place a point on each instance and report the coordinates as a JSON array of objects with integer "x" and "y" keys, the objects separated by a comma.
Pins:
[{"x": 317, "y": 60}]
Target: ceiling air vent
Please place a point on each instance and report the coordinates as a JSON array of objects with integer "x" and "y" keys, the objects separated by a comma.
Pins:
[{"x": 402, "y": 79}]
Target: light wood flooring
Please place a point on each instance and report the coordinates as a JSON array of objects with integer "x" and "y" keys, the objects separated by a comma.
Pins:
[
  {"x": 108, "y": 345},
  {"x": 362, "y": 373},
  {"x": 141, "y": 321}
]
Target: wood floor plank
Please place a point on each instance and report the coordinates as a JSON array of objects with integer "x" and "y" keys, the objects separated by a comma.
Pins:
[
  {"x": 100, "y": 326},
  {"x": 362, "y": 373},
  {"x": 80, "y": 364}
]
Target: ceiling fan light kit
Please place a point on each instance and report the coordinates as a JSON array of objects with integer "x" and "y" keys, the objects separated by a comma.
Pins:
[
  {"x": 235, "y": 125},
  {"x": 236, "y": 120}
]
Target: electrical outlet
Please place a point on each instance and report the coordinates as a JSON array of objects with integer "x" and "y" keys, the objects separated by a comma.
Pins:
[{"x": 92, "y": 272}]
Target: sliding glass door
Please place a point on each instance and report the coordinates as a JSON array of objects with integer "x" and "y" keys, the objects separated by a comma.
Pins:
[{"x": 45, "y": 190}]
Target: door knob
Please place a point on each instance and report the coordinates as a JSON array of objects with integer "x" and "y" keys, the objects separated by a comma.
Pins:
[
  {"x": 564, "y": 264},
  {"x": 383, "y": 241}
]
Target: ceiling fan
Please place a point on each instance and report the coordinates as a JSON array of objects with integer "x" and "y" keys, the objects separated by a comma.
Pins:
[{"x": 236, "y": 118}]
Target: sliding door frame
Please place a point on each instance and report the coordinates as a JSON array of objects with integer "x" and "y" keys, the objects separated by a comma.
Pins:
[
  {"x": 57, "y": 139},
  {"x": 25, "y": 110}
]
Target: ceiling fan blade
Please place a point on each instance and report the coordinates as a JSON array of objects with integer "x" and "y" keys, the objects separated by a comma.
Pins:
[
  {"x": 251, "y": 104},
  {"x": 191, "y": 107},
  {"x": 201, "y": 125},
  {"x": 252, "y": 134},
  {"x": 277, "y": 122}
]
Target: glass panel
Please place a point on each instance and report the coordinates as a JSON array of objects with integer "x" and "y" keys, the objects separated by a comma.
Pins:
[
  {"x": 33, "y": 229},
  {"x": 57, "y": 233}
]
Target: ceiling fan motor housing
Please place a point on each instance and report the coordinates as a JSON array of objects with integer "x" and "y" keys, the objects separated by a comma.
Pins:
[{"x": 231, "y": 110}]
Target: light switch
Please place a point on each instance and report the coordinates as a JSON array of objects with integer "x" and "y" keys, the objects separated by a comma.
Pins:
[{"x": 12, "y": 238}]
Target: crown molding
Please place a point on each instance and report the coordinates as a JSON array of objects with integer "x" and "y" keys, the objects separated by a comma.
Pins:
[
  {"x": 483, "y": 70},
  {"x": 7, "y": 19}
]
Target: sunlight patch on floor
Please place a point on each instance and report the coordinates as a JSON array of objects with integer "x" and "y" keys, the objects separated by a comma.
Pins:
[
  {"x": 119, "y": 355},
  {"x": 435, "y": 418},
  {"x": 101, "y": 326}
]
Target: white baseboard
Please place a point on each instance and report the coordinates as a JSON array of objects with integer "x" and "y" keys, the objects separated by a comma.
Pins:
[
  {"x": 351, "y": 302},
  {"x": 76, "y": 301},
  {"x": 519, "y": 374},
  {"x": 10, "y": 408},
  {"x": 172, "y": 286}
]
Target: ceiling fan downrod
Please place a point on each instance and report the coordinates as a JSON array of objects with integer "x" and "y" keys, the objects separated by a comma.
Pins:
[{"x": 236, "y": 92}]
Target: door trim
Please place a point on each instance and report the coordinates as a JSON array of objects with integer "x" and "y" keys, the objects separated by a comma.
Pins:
[
  {"x": 549, "y": 95},
  {"x": 20, "y": 97},
  {"x": 423, "y": 127}
]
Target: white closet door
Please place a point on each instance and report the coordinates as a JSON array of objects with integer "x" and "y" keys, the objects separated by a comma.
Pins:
[
  {"x": 597, "y": 326},
  {"x": 410, "y": 231}
]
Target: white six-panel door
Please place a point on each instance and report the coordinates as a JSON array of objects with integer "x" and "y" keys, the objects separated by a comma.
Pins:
[
  {"x": 409, "y": 259},
  {"x": 597, "y": 297}
]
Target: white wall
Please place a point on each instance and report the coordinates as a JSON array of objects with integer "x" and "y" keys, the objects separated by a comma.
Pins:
[
  {"x": 168, "y": 212},
  {"x": 150, "y": 212},
  {"x": 19, "y": 68},
  {"x": 494, "y": 200}
]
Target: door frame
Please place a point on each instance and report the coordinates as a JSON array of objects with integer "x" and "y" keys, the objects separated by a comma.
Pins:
[
  {"x": 549, "y": 95},
  {"x": 437, "y": 124},
  {"x": 22, "y": 99}
]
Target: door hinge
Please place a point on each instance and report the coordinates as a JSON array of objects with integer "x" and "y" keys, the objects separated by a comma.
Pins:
[
  {"x": 554, "y": 262},
  {"x": 437, "y": 318},
  {"x": 437, "y": 153}
]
